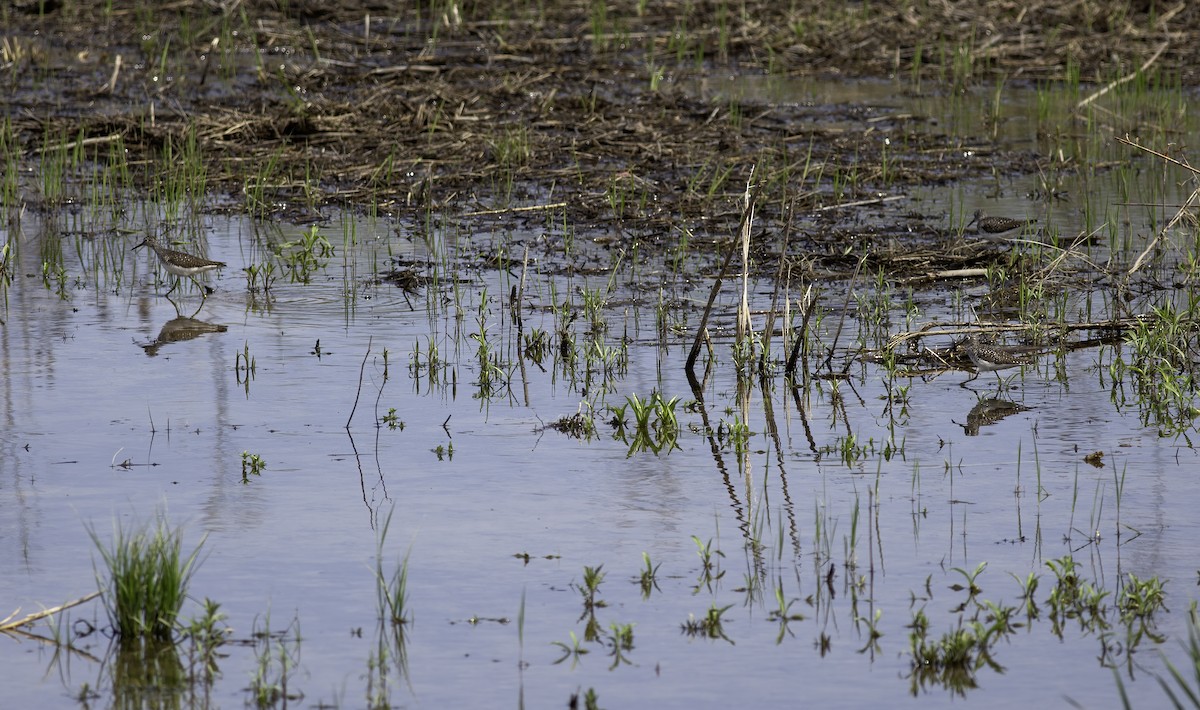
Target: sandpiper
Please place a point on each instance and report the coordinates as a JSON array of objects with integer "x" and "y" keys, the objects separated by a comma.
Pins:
[
  {"x": 993, "y": 358},
  {"x": 181, "y": 264},
  {"x": 992, "y": 227}
]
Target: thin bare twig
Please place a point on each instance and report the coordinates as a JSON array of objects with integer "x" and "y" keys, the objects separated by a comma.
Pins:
[{"x": 362, "y": 369}]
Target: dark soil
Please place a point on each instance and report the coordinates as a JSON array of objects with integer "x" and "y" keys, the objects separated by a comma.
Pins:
[{"x": 461, "y": 111}]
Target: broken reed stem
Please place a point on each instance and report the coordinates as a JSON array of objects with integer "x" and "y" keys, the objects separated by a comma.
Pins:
[
  {"x": 521, "y": 287},
  {"x": 769, "y": 323},
  {"x": 837, "y": 334},
  {"x": 517, "y": 299},
  {"x": 111, "y": 85},
  {"x": 743, "y": 320},
  {"x": 702, "y": 327},
  {"x": 800, "y": 345}
]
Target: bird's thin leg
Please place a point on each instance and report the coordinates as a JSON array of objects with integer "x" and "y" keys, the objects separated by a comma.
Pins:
[{"x": 168, "y": 293}]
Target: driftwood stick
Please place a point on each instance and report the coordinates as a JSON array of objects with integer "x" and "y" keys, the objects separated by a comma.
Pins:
[
  {"x": 8, "y": 625},
  {"x": 1128, "y": 77}
]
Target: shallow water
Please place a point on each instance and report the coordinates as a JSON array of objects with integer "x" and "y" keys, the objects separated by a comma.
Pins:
[{"x": 107, "y": 420}]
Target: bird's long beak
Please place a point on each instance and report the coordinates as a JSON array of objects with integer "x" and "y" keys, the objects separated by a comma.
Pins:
[{"x": 139, "y": 246}]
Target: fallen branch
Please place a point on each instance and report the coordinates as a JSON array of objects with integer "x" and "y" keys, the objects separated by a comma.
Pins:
[{"x": 928, "y": 330}]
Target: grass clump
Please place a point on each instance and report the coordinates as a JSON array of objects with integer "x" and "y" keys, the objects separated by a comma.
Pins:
[
  {"x": 391, "y": 591},
  {"x": 146, "y": 578}
]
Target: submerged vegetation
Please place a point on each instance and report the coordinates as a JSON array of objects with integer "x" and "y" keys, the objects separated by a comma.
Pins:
[{"x": 553, "y": 190}]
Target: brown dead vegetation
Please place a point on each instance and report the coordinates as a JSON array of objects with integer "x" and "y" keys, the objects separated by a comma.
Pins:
[{"x": 466, "y": 110}]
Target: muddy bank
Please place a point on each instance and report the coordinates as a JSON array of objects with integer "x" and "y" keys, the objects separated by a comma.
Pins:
[{"x": 577, "y": 110}]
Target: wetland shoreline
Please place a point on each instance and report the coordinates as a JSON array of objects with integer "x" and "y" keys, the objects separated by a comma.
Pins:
[{"x": 476, "y": 239}]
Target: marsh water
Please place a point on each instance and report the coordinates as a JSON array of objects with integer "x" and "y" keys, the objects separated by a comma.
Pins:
[{"x": 387, "y": 387}]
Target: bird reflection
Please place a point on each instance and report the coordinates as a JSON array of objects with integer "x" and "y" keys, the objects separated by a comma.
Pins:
[
  {"x": 179, "y": 329},
  {"x": 989, "y": 410}
]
